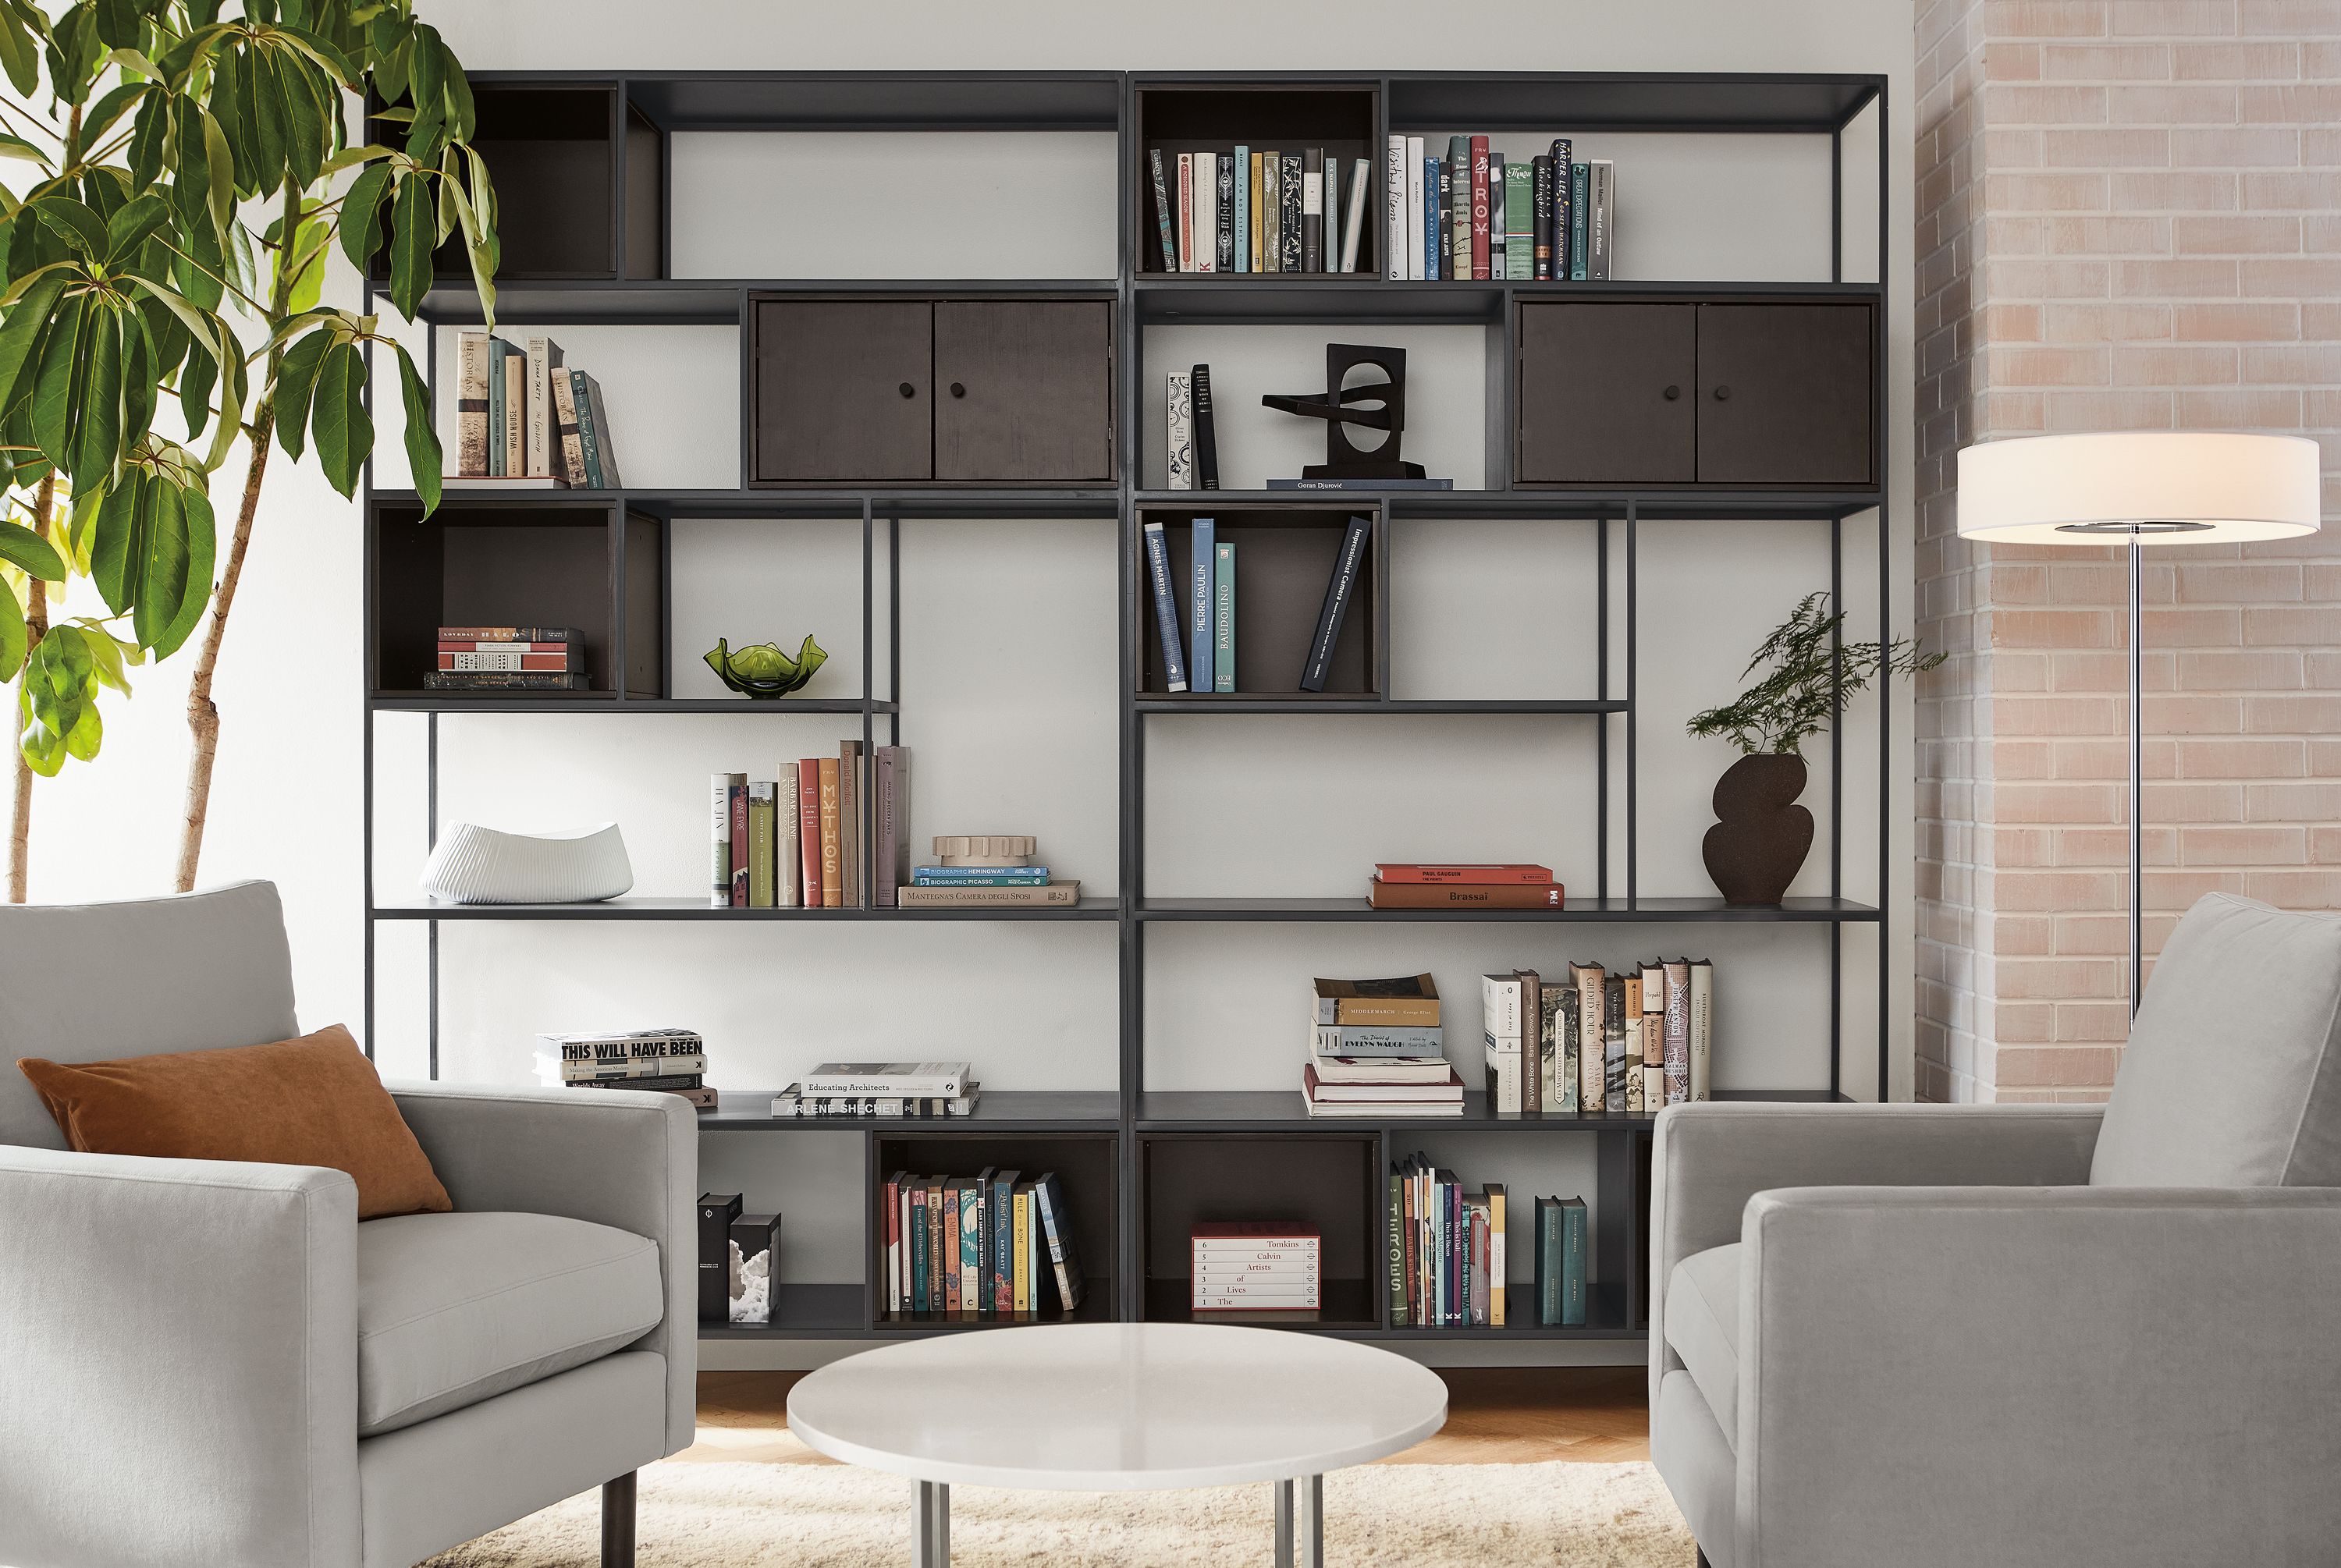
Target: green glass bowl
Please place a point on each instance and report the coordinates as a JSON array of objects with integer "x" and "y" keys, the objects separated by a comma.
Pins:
[{"x": 764, "y": 670}]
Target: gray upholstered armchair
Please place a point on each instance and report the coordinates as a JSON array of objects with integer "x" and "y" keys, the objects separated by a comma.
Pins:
[
  {"x": 2026, "y": 1335},
  {"x": 213, "y": 1365}
]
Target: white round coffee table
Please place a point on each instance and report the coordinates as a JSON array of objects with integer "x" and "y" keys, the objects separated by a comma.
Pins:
[{"x": 1118, "y": 1407}]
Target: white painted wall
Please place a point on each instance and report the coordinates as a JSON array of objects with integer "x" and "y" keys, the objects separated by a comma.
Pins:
[{"x": 1009, "y": 704}]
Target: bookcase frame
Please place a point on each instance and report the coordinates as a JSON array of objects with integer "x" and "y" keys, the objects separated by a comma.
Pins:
[{"x": 1132, "y": 1118}]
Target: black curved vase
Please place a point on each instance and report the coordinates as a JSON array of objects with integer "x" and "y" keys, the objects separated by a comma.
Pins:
[{"x": 1761, "y": 835}]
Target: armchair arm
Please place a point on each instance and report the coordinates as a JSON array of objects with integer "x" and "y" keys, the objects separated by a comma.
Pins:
[
  {"x": 612, "y": 1156},
  {"x": 179, "y": 1382},
  {"x": 2076, "y": 1374},
  {"x": 1711, "y": 1157}
]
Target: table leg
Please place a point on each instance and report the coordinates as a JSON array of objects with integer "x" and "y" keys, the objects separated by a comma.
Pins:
[
  {"x": 930, "y": 1541},
  {"x": 1312, "y": 1521},
  {"x": 1284, "y": 1524}
]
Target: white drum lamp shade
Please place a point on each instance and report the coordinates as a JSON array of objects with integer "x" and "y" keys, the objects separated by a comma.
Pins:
[{"x": 2147, "y": 487}]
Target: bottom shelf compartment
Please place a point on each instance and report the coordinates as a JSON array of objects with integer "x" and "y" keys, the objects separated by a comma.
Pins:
[{"x": 800, "y": 1312}]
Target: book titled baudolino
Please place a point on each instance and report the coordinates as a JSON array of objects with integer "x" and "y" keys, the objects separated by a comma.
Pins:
[{"x": 1055, "y": 895}]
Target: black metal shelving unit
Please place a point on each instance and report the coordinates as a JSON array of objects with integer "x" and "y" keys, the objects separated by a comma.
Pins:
[{"x": 625, "y": 284}]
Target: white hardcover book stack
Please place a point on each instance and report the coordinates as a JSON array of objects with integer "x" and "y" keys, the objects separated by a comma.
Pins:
[{"x": 1256, "y": 1265}]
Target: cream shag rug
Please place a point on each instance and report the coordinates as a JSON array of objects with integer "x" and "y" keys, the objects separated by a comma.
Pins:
[{"x": 735, "y": 1515}]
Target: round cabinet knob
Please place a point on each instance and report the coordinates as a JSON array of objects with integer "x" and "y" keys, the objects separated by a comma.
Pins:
[
  {"x": 1723, "y": 395},
  {"x": 907, "y": 390},
  {"x": 1671, "y": 393},
  {"x": 958, "y": 389}
]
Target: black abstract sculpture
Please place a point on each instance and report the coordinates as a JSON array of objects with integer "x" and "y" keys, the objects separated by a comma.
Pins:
[{"x": 1376, "y": 406}]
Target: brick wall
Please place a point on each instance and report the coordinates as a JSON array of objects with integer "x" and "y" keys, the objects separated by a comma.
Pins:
[{"x": 2129, "y": 218}]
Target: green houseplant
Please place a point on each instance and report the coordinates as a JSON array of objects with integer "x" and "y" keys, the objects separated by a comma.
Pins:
[
  {"x": 161, "y": 298},
  {"x": 1761, "y": 835}
]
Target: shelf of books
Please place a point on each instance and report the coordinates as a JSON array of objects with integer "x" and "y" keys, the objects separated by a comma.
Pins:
[{"x": 604, "y": 511}]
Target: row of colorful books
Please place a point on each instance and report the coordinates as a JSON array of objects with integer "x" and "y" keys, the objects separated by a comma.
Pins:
[
  {"x": 1472, "y": 216},
  {"x": 1243, "y": 210},
  {"x": 672, "y": 1060},
  {"x": 1195, "y": 609},
  {"x": 1627, "y": 1042},
  {"x": 509, "y": 659},
  {"x": 1449, "y": 1264},
  {"x": 1414, "y": 886},
  {"x": 739, "y": 1260},
  {"x": 1256, "y": 1266},
  {"x": 794, "y": 842},
  {"x": 992, "y": 1244},
  {"x": 525, "y": 417},
  {"x": 881, "y": 1089}
]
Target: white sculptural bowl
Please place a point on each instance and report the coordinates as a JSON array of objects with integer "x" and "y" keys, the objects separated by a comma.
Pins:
[{"x": 477, "y": 865}]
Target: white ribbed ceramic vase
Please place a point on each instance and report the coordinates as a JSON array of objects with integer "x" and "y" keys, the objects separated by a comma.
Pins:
[{"x": 477, "y": 865}]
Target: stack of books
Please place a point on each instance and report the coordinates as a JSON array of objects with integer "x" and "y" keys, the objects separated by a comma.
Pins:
[
  {"x": 509, "y": 659},
  {"x": 672, "y": 1060},
  {"x": 1376, "y": 1049},
  {"x": 795, "y": 842},
  {"x": 1411, "y": 885},
  {"x": 1560, "y": 1243},
  {"x": 1473, "y": 217},
  {"x": 1256, "y": 1265},
  {"x": 992, "y": 1244},
  {"x": 1243, "y": 210},
  {"x": 881, "y": 1089},
  {"x": 1447, "y": 1258},
  {"x": 1195, "y": 609},
  {"x": 1624, "y": 1042},
  {"x": 526, "y": 419},
  {"x": 985, "y": 869}
]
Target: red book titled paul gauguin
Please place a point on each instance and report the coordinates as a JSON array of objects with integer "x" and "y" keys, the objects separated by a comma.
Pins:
[{"x": 1510, "y": 875}]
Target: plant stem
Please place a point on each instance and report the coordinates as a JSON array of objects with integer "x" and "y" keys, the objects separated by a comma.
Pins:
[
  {"x": 37, "y": 626},
  {"x": 203, "y": 714}
]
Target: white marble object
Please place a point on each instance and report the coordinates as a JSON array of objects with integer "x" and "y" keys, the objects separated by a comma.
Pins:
[
  {"x": 1118, "y": 1407},
  {"x": 477, "y": 865}
]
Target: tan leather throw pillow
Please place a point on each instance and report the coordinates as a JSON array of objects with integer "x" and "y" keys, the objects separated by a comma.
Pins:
[{"x": 314, "y": 1101}]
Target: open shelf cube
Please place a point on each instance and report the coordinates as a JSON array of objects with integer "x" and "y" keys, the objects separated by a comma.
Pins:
[
  {"x": 1088, "y": 1170},
  {"x": 1279, "y": 116},
  {"x": 1323, "y": 1181},
  {"x": 494, "y": 562},
  {"x": 1285, "y": 557}
]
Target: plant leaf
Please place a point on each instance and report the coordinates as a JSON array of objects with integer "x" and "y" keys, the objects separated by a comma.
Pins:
[
  {"x": 131, "y": 225},
  {"x": 362, "y": 215},
  {"x": 12, "y": 636},
  {"x": 96, "y": 444},
  {"x": 24, "y": 548},
  {"x": 425, "y": 456},
  {"x": 343, "y": 433},
  {"x": 21, "y": 334},
  {"x": 296, "y": 379},
  {"x": 73, "y": 223},
  {"x": 116, "y": 539},
  {"x": 159, "y": 563},
  {"x": 198, "y": 529},
  {"x": 56, "y": 388},
  {"x": 411, "y": 237}
]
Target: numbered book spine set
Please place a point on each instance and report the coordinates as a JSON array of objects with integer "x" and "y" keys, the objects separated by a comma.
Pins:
[
  {"x": 1376, "y": 1049},
  {"x": 1258, "y": 211},
  {"x": 1256, "y": 1265},
  {"x": 509, "y": 659},
  {"x": 794, "y": 842},
  {"x": 1195, "y": 606},
  {"x": 671, "y": 1060},
  {"x": 990, "y": 1246},
  {"x": 739, "y": 1257},
  {"x": 881, "y": 1089},
  {"x": 1471, "y": 216},
  {"x": 525, "y": 418},
  {"x": 979, "y": 871},
  {"x": 1426, "y": 886},
  {"x": 1628, "y": 1043}
]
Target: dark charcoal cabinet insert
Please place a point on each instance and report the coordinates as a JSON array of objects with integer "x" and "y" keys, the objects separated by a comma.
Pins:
[
  {"x": 1606, "y": 393},
  {"x": 843, "y": 391},
  {"x": 1023, "y": 390},
  {"x": 1784, "y": 395}
]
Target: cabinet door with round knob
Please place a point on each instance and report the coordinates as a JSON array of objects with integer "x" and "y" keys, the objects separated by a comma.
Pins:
[
  {"x": 1784, "y": 393},
  {"x": 841, "y": 390},
  {"x": 1028, "y": 388},
  {"x": 1603, "y": 393}
]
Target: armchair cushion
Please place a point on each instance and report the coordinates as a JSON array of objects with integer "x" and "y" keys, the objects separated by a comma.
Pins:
[
  {"x": 1703, "y": 1327},
  {"x": 314, "y": 1101},
  {"x": 2232, "y": 1077},
  {"x": 454, "y": 1309}
]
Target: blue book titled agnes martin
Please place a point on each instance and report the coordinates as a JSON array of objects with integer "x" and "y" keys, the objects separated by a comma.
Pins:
[{"x": 1167, "y": 603}]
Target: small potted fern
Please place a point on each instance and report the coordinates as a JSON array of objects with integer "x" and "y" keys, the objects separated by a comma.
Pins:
[{"x": 1761, "y": 835}]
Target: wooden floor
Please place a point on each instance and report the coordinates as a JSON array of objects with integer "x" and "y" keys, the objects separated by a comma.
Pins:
[{"x": 1508, "y": 1416}]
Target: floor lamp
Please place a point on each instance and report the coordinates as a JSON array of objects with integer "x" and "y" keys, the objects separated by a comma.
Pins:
[{"x": 2138, "y": 489}]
